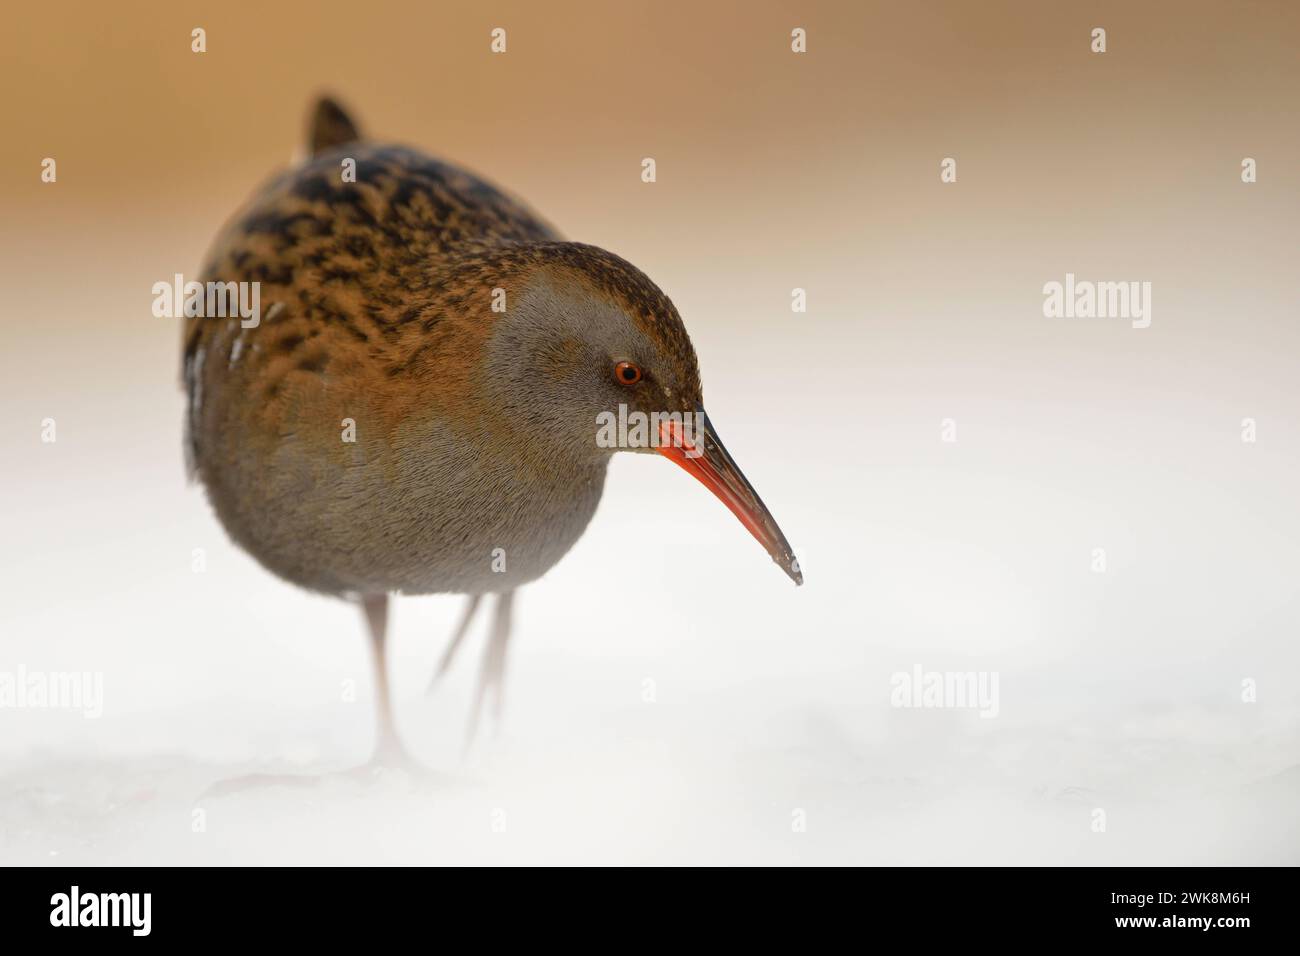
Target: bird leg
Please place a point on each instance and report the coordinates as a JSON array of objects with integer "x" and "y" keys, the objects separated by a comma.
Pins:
[
  {"x": 461, "y": 630},
  {"x": 389, "y": 747},
  {"x": 388, "y": 751},
  {"x": 492, "y": 674}
]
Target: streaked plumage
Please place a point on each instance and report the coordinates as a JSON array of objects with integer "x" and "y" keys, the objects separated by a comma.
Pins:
[{"x": 474, "y": 428}]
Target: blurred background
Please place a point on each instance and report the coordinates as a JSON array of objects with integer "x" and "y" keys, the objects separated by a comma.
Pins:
[{"x": 680, "y": 702}]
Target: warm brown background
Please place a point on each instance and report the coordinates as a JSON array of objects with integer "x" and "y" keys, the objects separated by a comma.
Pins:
[{"x": 775, "y": 171}]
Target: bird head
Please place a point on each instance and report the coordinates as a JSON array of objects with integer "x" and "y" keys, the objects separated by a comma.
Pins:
[{"x": 588, "y": 356}]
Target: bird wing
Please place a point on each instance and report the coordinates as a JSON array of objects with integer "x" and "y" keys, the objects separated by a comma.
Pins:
[{"x": 346, "y": 250}]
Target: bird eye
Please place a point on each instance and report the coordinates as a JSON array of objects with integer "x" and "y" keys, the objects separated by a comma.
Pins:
[{"x": 627, "y": 373}]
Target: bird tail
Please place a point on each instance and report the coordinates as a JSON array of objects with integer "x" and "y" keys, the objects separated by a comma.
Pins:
[{"x": 330, "y": 126}]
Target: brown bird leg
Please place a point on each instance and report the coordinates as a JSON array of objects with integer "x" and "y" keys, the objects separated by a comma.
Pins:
[
  {"x": 492, "y": 675},
  {"x": 461, "y": 630},
  {"x": 388, "y": 750}
]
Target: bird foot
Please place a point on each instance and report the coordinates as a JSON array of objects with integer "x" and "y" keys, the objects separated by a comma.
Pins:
[{"x": 386, "y": 764}]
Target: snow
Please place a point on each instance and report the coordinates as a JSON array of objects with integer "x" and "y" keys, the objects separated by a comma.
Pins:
[{"x": 671, "y": 697}]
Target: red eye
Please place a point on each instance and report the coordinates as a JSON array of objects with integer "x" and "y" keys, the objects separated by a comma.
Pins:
[{"x": 627, "y": 373}]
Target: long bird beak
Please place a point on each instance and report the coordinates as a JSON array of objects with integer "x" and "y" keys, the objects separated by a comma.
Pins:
[{"x": 705, "y": 457}]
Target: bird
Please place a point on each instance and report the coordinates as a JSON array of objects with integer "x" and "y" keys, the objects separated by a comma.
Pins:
[{"x": 415, "y": 409}]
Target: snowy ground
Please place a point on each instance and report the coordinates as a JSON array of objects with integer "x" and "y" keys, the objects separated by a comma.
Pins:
[
  {"x": 653, "y": 790},
  {"x": 671, "y": 696},
  {"x": 691, "y": 715}
]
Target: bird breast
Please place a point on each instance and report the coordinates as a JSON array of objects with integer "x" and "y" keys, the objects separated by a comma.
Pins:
[{"x": 426, "y": 508}]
